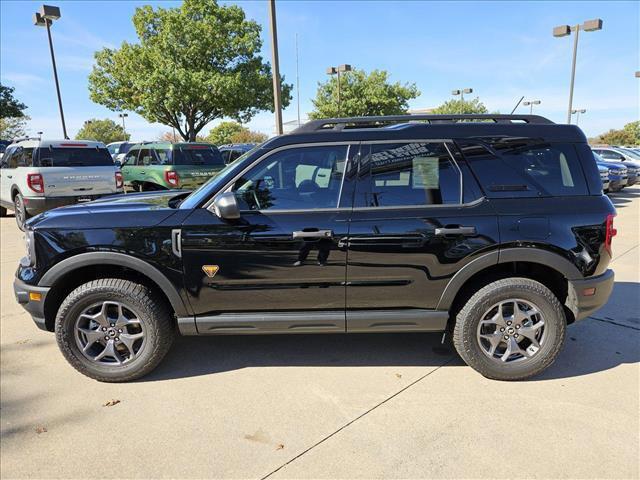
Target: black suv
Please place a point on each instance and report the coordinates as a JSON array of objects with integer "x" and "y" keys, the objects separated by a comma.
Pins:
[{"x": 492, "y": 228}]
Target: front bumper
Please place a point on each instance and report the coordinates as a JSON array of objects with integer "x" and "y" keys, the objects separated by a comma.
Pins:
[
  {"x": 588, "y": 295},
  {"x": 36, "y": 205},
  {"x": 617, "y": 183},
  {"x": 26, "y": 296}
]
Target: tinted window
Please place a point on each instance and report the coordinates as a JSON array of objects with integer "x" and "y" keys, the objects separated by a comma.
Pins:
[
  {"x": 526, "y": 167},
  {"x": 164, "y": 156},
  {"x": 405, "y": 174},
  {"x": 8, "y": 159},
  {"x": 124, "y": 147},
  {"x": 300, "y": 178},
  {"x": 74, "y": 157},
  {"x": 113, "y": 149},
  {"x": 197, "y": 155}
]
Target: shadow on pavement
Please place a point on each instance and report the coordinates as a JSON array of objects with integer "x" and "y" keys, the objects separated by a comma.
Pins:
[
  {"x": 625, "y": 196},
  {"x": 609, "y": 339}
]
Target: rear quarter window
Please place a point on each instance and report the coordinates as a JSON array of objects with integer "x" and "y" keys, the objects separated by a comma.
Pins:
[{"x": 510, "y": 168}]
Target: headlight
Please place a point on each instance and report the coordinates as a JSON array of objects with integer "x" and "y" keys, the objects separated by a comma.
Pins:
[{"x": 30, "y": 246}]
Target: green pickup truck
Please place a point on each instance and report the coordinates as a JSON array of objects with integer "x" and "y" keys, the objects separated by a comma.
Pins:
[{"x": 165, "y": 165}]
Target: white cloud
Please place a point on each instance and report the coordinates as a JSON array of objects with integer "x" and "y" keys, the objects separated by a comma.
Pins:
[{"x": 22, "y": 80}]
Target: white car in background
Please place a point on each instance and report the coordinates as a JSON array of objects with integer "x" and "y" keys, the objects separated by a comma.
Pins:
[
  {"x": 38, "y": 175},
  {"x": 119, "y": 149}
]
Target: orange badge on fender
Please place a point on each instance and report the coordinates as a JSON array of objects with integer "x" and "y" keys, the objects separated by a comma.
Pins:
[{"x": 210, "y": 270}]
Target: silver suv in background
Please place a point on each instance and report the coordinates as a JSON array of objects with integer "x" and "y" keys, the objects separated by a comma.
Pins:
[{"x": 38, "y": 175}]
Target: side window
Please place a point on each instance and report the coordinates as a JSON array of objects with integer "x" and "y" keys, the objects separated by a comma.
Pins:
[
  {"x": 526, "y": 167},
  {"x": 225, "y": 155},
  {"x": 297, "y": 178},
  {"x": 407, "y": 174},
  {"x": 25, "y": 159},
  {"x": 147, "y": 157},
  {"x": 12, "y": 162},
  {"x": 6, "y": 158},
  {"x": 130, "y": 158},
  {"x": 610, "y": 155},
  {"x": 164, "y": 156},
  {"x": 112, "y": 149},
  {"x": 233, "y": 155}
]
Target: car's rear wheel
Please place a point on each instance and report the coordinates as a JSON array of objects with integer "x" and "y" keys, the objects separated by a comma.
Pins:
[
  {"x": 114, "y": 330},
  {"x": 511, "y": 329},
  {"x": 20, "y": 211}
]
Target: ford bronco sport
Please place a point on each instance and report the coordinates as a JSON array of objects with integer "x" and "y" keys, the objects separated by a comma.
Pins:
[{"x": 492, "y": 228}]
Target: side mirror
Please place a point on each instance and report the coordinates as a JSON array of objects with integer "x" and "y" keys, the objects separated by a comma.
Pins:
[
  {"x": 226, "y": 206},
  {"x": 117, "y": 163}
]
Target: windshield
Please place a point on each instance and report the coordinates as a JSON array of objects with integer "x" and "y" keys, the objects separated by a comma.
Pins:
[
  {"x": 75, "y": 157},
  {"x": 197, "y": 155},
  {"x": 216, "y": 181}
]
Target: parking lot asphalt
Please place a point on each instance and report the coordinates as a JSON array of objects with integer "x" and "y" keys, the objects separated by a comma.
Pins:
[{"x": 328, "y": 406}]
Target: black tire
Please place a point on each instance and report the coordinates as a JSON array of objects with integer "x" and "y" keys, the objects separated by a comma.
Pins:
[
  {"x": 20, "y": 211},
  {"x": 467, "y": 321},
  {"x": 151, "y": 309}
]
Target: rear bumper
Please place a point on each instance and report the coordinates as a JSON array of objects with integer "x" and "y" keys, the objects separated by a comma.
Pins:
[
  {"x": 36, "y": 205},
  {"x": 584, "y": 301},
  {"x": 35, "y": 308}
]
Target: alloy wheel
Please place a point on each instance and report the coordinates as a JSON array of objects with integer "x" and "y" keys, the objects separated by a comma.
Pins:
[
  {"x": 512, "y": 330},
  {"x": 110, "y": 333}
]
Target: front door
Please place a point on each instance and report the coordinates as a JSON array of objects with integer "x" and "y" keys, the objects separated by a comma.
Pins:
[
  {"x": 281, "y": 267},
  {"x": 410, "y": 233}
]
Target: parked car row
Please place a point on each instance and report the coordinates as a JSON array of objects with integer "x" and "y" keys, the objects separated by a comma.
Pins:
[{"x": 623, "y": 165}]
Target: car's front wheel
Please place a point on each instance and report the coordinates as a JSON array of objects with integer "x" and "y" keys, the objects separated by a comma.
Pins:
[
  {"x": 511, "y": 329},
  {"x": 114, "y": 330}
]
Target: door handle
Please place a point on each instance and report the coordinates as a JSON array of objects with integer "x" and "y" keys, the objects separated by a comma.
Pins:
[
  {"x": 316, "y": 234},
  {"x": 456, "y": 231},
  {"x": 143, "y": 171},
  {"x": 9, "y": 176}
]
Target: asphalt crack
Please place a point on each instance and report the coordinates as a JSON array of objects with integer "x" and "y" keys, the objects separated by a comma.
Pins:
[
  {"x": 612, "y": 322},
  {"x": 351, "y": 422}
]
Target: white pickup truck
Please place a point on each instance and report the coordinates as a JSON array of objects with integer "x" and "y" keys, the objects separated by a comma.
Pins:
[{"x": 38, "y": 175}]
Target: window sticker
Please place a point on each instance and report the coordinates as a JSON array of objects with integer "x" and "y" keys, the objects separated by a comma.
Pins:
[{"x": 426, "y": 173}]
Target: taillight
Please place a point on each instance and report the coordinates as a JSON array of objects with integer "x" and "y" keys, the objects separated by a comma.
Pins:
[
  {"x": 172, "y": 178},
  {"x": 610, "y": 232},
  {"x": 35, "y": 182},
  {"x": 119, "y": 180}
]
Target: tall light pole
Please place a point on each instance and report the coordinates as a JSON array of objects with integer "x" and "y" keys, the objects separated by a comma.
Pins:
[
  {"x": 124, "y": 131},
  {"x": 530, "y": 104},
  {"x": 44, "y": 18},
  {"x": 277, "y": 102},
  {"x": 565, "y": 30},
  {"x": 337, "y": 71},
  {"x": 577, "y": 113},
  {"x": 461, "y": 92}
]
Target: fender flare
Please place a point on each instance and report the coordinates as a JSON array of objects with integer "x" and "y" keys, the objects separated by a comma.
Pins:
[
  {"x": 507, "y": 255},
  {"x": 112, "y": 258}
]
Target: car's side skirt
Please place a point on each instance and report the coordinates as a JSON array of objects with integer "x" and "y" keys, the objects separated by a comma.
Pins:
[{"x": 357, "y": 321}]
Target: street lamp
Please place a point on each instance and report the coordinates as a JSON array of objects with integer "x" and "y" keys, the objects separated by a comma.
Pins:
[
  {"x": 337, "y": 71},
  {"x": 530, "y": 104},
  {"x": 123, "y": 116},
  {"x": 44, "y": 18},
  {"x": 577, "y": 113},
  {"x": 461, "y": 93},
  {"x": 277, "y": 102},
  {"x": 565, "y": 30}
]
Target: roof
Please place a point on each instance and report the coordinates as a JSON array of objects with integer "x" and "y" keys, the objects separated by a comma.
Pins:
[
  {"x": 35, "y": 142},
  {"x": 429, "y": 127}
]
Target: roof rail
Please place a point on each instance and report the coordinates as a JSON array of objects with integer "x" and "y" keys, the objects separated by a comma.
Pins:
[{"x": 383, "y": 121}]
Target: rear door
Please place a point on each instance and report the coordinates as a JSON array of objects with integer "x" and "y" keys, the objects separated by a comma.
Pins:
[
  {"x": 281, "y": 266},
  {"x": 414, "y": 225},
  {"x": 76, "y": 169}
]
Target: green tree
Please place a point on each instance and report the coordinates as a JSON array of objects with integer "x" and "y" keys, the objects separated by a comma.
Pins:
[
  {"x": 362, "y": 95},
  {"x": 193, "y": 64},
  {"x": 9, "y": 106},
  {"x": 233, "y": 132},
  {"x": 628, "y": 135},
  {"x": 457, "y": 106},
  {"x": 105, "y": 131},
  {"x": 13, "y": 127}
]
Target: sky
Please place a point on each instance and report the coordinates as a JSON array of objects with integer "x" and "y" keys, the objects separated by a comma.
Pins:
[{"x": 501, "y": 49}]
